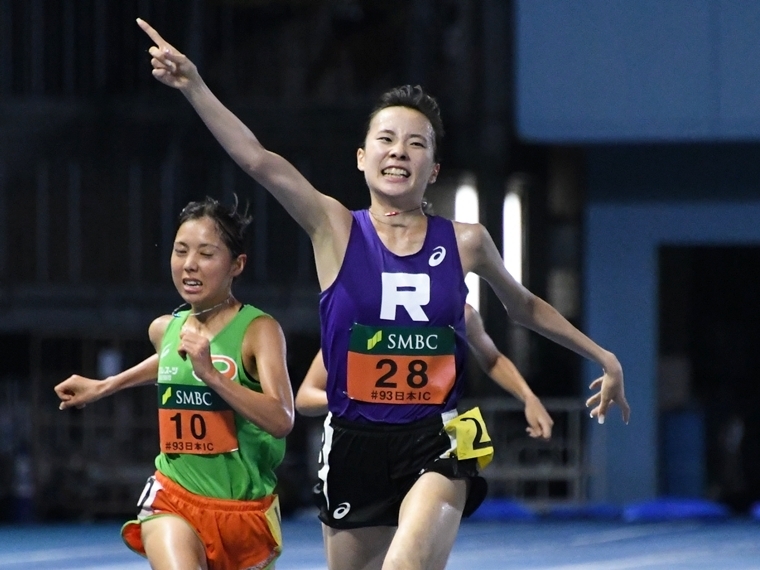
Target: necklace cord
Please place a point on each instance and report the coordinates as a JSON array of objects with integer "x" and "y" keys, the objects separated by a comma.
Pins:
[
  {"x": 395, "y": 213},
  {"x": 175, "y": 312}
]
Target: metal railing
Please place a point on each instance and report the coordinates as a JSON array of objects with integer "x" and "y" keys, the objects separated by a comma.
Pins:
[{"x": 538, "y": 472}]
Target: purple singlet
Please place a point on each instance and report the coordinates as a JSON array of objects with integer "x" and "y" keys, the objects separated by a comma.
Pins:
[{"x": 395, "y": 326}]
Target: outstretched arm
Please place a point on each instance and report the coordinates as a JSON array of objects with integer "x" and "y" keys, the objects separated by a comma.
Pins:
[
  {"x": 311, "y": 398},
  {"x": 479, "y": 254},
  {"x": 505, "y": 374},
  {"x": 77, "y": 391},
  {"x": 326, "y": 220}
]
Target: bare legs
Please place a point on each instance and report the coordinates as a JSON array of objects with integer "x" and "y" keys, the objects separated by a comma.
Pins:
[
  {"x": 357, "y": 549},
  {"x": 171, "y": 544},
  {"x": 428, "y": 524}
]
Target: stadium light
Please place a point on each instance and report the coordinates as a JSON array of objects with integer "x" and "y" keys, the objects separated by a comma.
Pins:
[{"x": 466, "y": 210}]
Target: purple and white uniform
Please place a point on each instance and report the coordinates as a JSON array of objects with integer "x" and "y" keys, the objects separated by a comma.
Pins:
[{"x": 395, "y": 326}]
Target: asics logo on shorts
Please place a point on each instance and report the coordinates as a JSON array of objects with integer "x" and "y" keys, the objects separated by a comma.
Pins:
[
  {"x": 439, "y": 253},
  {"x": 341, "y": 510}
]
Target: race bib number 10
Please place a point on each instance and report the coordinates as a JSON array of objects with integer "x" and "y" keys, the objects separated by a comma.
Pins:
[
  {"x": 194, "y": 419},
  {"x": 401, "y": 365}
]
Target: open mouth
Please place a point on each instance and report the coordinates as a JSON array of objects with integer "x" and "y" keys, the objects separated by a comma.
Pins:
[
  {"x": 192, "y": 283},
  {"x": 395, "y": 171}
]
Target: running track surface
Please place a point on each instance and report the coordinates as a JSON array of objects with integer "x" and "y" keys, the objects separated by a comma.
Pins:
[{"x": 567, "y": 545}]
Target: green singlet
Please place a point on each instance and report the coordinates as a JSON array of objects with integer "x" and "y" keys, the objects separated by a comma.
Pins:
[{"x": 206, "y": 446}]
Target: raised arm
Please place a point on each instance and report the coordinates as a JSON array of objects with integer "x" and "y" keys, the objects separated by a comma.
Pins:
[
  {"x": 479, "y": 254},
  {"x": 311, "y": 398},
  {"x": 326, "y": 220}
]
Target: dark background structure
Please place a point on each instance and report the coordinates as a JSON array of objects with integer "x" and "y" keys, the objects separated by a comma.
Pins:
[{"x": 97, "y": 158}]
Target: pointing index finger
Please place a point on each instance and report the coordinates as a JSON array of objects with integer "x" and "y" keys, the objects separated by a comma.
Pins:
[{"x": 153, "y": 34}]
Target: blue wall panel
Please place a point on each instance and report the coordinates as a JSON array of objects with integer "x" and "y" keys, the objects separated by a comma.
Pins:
[
  {"x": 739, "y": 68},
  {"x": 649, "y": 70},
  {"x": 621, "y": 313}
]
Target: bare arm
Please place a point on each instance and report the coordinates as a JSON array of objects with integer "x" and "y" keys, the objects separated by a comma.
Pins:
[
  {"x": 326, "y": 220},
  {"x": 503, "y": 371},
  {"x": 479, "y": 254},
  {"x": 490, "y": 359},
  {"x": 77, "y": 391},
  {"x": 311, "y": 398},
  {"x": 264, "y": 356}
]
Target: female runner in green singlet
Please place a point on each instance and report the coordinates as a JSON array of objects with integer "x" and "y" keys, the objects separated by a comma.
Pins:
[{"x": 225, "y": 406}]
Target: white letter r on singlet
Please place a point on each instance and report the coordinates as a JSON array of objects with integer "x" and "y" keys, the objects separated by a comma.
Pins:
[{"x": 411, "y": 290}]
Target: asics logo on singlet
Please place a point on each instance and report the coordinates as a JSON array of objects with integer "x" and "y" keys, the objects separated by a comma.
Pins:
[
  {"x": 439, "y": 253},
  {"x": 341, "y": 510}
]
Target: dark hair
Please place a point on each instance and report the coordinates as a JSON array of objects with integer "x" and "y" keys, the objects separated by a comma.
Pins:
[
  {"x": 412, "y": 97},
  {"x": 230, "y": 223}
]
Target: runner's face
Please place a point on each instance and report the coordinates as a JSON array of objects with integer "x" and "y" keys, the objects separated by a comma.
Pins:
[
  {"x": 201, "y": 263},
  {"x": 398, "y": 157}
]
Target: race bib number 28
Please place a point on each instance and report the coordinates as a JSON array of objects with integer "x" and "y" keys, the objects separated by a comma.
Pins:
[{"x": 401, "y": 365}]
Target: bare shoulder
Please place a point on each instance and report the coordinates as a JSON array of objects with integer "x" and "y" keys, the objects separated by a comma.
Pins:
[
  {"x": 263, "y": 331},
  {"x": 472, "y": 240},
  {"x": 330, "y": 240},
  {"x": 263, "y": 324},
  {"x": 157, "y": 329},
  {"x": 338, "y": 220},
  {"x": 469, "y": 235},
  {"x": 336, "y": 210},
  {"x": 263, "y": 345}
]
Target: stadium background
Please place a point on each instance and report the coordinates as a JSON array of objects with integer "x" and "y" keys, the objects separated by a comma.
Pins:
[{"x": 629, "y": 129}]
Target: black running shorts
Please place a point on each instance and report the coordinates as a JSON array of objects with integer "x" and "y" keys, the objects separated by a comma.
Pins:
[{"x": 366, "y": 470}]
